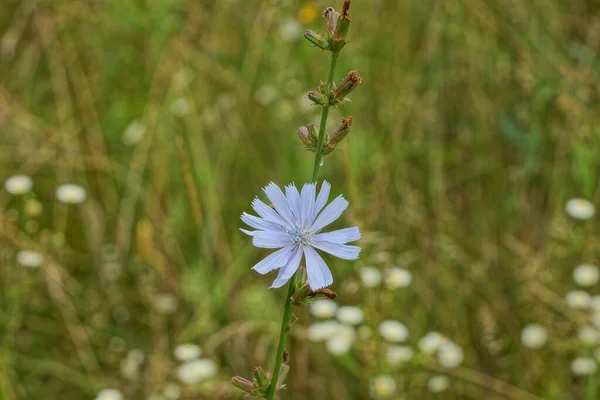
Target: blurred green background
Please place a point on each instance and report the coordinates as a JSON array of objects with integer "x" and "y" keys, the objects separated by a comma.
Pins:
[{"x": 476, "y": 122}]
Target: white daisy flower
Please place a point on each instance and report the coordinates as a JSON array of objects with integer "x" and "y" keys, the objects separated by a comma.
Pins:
[
  {"x": 578, "y": 299},
  {"x": 586, "y": 275},
  {"x": 382, "y": 387},
  {"x": 294, "y": 227},
  {"x": 321, "y": 331},
  {"x": 584, "y": 366},
  {"x": 187, "y": 352},
  {"x": 109, "y": 394},
  {"x": 323, "y": 308},
  {"x": 195, "y": 371},
  {"x": 396, "y": 355},
  {"x": 18, "y": 184},
  {"x": 438, "y": 383},
  {"x": 70, "y": 194},
  {"x": 338, "y": 346},
  {"x": 534, "y": 336},
  {"x": 589, "y": 335},
  {"x": 370, "y": 277},
  {"x": 350, "y": 315},
  {"x": 393, "y": 331},
  {"x": 450, "y": 355},
  {"x": 134, "y": 133},
  {"x": 580, "y": 209},
  {"x": 431, "y": 342},
  {"x": 30, "y": 258},
  {"x": 396, "y": 278}
]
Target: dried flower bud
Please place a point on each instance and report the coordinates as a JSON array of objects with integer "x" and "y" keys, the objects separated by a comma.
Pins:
[
  {"x": 351, "y": 81},
  {"x": 339, "y": 134},
  {"x": 342, "y": 26},
  {"x": 286, "y": 357},
  {"x": 331, "y": 16},
  {"x": 317, "y": 39},
  {"x": 244, "y": 384},
  {"x": 308, "y": 135},
  {"x": 317, "y": 98}
]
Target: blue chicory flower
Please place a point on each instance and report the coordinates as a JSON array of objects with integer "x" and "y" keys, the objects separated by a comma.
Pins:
[{"x": 293, "y": 226}]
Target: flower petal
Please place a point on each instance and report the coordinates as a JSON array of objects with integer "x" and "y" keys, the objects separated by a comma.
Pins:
[
  {"x": 260, "y": 223},
  {"x": 330, "y": 213},
  {"x": 307, "y": 203},
  {"x": 267, "y": 212},
  {"x": 286, "y": 272},
  {"x": 293, "y": 198},
  {"x": 339, "y": 250},
  {"x": 274, "y": 260},
  {"x": 270, "y": 240},
  {"x": 318, "y": 273},
  {"x": 321, "y": 199},
  {"x": 341, "y": 236},
  {"x": 280, "y": 202}
]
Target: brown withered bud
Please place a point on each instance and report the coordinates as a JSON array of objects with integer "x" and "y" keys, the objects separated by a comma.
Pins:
[
  {"x": 340, "y": 133},
  {"x": 330, "y": 294},
  {"x": 351, "y": 81},
  {"x": 343, "y": 24},
  {"x": 286, "y": 357}
]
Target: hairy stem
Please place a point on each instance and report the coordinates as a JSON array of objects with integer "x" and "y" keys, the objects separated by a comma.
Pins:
[{"x": 287, "y": 311}]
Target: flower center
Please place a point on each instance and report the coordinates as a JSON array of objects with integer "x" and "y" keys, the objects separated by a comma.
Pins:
[{"x": 300, "y": 236}]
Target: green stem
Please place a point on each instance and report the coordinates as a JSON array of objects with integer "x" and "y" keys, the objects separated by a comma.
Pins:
[{"x": 287, "y": 311}]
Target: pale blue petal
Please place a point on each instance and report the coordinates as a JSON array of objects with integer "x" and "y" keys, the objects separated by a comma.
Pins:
[
  {"x": 267, "y": 212},
  {"x": 270, "y": 240},
  {"x": 317, "y": 271},
  {"x": 286, "y": 272},
  {"x": 321, "y": 199},
  {"x": 247, "y": 232},
  {"x": 280, "y": 202},
  {"x": 260, "y": 223},
  {"x": 339, "y": 250},
  {"x": 293, "y": 198},
  {"x": 307, "y": 202},
  {"x": 274, "y": 260},
  {"x": 330, "y": 213},
  {"x": 341, "y": 236}
]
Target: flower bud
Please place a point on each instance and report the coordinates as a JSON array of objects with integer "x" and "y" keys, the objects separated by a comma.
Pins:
[
  {"x": 244, "y": 384},
  {"x": 317, "y": 39},
  {"x": 317, "y": 98},
  {"x": 351, "y": 81},
  {"x": 339, "y": 134},
  {"x": 341, "y": 29},
  {"x": 331, "y": 16},
  {"x": 262, "y": 378},
  {"x": 308, "y": 135}
]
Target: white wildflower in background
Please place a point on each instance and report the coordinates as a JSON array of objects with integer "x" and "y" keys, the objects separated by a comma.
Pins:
[
  {"x": 172, "y": 391},
  {"x": 197, "y": 370},
  {"x": 586, "y": 275},
  {"x": 294, "y": 227},
  {"x": 589, "y": 335},
  {"x": 321, "y": 331},
  {"x": 578, "y": 299},
  {"x": 534, "y": 336},
  {"x": 438, "y": 383},
  {"x": 165, "y": 303},
  {"x": 18, "y": 184},
  {"x": 370, "y": 277},
  {"x": 70, "y": 194},
  {"x": 584, "y": 366},
  {"x": 580, "y": 209},
  {"x": 30, "y": 258},
  {"x": 431, "y": 342},
  {"x": 396, "y": 355},
  {"x": 382, "y": 387},
  {"x": 323, "y": 308},
  {"x": 109, "y": 394},
  {"x": 136, "y": 355},
  {"x": 350, "y": 315},
  {"x": 596, "y": 319},
  {"x": 450, "y": 355},
  {"x": 341, "y": 341},
  {"x": 265, "y": 94},
  {"x": 134, "y": 133},
  {"x": 595, "y": 303},
  {"x": 290, "y": 30},
  {"x": 130, "y": 369},
  {"x": 393, "y": 331},
  {"x": 181, "y": 107},
  {"x": 187, "y": 352},
  {"x": 396, "y": 278}
]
